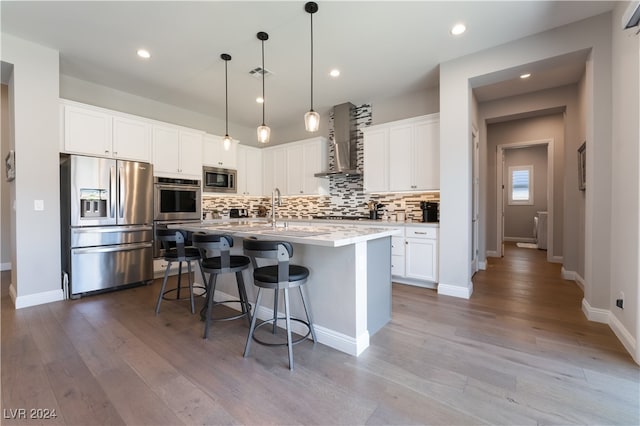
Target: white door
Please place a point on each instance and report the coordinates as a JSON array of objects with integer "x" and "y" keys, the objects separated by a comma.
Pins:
[{"x": 475, "y": 246}]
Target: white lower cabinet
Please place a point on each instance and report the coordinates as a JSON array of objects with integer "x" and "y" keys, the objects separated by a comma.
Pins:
[
  {"x": 414, "y": 256},
  {"x": 397, "y": 256}
]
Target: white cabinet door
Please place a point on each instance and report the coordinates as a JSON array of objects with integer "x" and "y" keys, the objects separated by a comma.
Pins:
[
  {"x": 131, "y": 139},
  {"x": 401, "y": 158},
  {"x": 177, "y": 152},
  {"x": 397, "y": 256},
  {"x": 295, "y": 170},
  {"x": 215, "y": 155},
  {"x": 191, "y": 154},
  {"x": 422, "y": 259},
  {"x": 166, "y": 150},
  {"x": 426, "y": 156},
  {"x": 376, "y": 162},
  {"x": 87, "y": 131},
  {"x": 275, "y": 170},
  {"x": 315, "y": 161},
  {"x": 249, "y": 163}
]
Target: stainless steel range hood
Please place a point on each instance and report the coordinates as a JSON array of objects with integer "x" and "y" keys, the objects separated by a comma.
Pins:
[{"x": 345, "y": 142}]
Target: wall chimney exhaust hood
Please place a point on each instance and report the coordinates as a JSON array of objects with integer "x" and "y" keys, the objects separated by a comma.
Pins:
[{"x": 345, "y": 142}]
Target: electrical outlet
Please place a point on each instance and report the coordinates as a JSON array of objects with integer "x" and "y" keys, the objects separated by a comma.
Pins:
[{"x": 38, "y": 205}]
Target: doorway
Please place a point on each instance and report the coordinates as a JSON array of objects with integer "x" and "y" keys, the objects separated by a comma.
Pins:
[{"x": 516, "y": 190}]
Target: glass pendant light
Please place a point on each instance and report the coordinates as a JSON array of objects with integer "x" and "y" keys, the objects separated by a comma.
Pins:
[
  {"x": 264, "y": 132},
  {"x": 226, "y": 142},
  {"x": 311, "y": 118}
]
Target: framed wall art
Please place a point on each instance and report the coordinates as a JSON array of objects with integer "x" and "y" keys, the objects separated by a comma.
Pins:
[
  {"x": 10, "y": 163},
  {"x": 582, "y": 167}
]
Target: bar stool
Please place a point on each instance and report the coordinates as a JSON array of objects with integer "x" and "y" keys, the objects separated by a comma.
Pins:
[
  {"x": 222, "y": 264},
  {"x": 282, "y": 276},
  {"x": 180, "y": 253}
]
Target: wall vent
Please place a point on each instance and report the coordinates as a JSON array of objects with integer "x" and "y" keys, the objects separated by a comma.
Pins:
[{"x": 257, "y": 72}]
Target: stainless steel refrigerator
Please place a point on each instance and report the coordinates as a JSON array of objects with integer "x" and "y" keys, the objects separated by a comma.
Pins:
[{"x": 107, "y": 223}]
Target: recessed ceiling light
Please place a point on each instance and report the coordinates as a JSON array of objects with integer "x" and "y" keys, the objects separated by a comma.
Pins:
[
  {"x": 334, "y": 73},
  {"x": 458, "y": 29},
  {"x": 143, "y": 53},
  {"x": 527, "y": 75},
  {"x": 259, "y": 100}
]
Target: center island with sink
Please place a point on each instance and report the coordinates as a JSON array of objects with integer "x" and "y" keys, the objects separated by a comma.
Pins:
[{"x": 349, "y": 285}]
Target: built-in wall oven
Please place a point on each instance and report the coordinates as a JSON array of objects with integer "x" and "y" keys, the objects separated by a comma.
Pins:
[{"x": 175, "y": 201}]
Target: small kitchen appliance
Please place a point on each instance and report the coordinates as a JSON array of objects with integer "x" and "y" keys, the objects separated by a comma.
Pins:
[{"x": 429, "y": 211}]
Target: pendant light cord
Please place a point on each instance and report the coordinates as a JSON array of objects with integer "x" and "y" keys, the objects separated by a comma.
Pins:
[
  {"x": 311, "y": 61},
  {"x": 263, "y": 99},
  {"x": 226, "y": 100}
]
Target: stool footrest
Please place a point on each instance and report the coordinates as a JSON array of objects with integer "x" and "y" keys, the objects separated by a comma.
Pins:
[
  {"x": 203, "y": 312},
  {"x": 164, "y": 294},
  {"x": 293, "y": 341}
]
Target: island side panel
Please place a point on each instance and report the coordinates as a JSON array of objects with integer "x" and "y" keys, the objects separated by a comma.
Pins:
[{"x": 378, "y": 284}]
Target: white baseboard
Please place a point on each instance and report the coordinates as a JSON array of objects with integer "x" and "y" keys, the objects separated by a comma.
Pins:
[
  {"x": 326, "y": 336},
  {"x": 34, "y": 299},
  {"x": 595, "y": 314},
  {"x": 455, "y": 290},
  {"x": 5, "y": 266},
  {"x": 556, "y": 259},
  {"x": 607, "y": 317},
  {"x": 520, "y": 239},
  {"x": 493, "y": 253},
  {"x": 482, "y": 265},
  {"x": 567, "y": 275}
]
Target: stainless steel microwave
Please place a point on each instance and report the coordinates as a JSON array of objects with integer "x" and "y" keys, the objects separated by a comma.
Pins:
[{"x": 215, "y": 179}]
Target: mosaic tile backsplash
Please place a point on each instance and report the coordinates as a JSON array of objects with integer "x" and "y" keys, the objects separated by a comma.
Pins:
[{"x": 346, "y": 196}]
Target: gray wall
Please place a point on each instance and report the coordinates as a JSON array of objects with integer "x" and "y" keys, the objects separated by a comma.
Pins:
[
  {"x": 522, "y": 130},
  {"x": 5, "y": 205},
  {"x": 518, "y": 219}
]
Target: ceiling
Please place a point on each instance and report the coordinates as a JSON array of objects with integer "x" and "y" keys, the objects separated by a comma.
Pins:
[{"x": 383, "y": 49}]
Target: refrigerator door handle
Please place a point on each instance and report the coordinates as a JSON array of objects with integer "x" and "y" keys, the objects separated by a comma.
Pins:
[
  {"x": 110, "y": 249},
  {"x": 95, "y": 230},
  {"x": 121, "y": 192},
  {"x": 112, "y": 195}
]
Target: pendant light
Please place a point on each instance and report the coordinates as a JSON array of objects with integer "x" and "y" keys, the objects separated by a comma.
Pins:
[
  {"x": 226, "y": 142},
  {"x": 264, "y": 132},
  {"x": 311, "y": 118}
]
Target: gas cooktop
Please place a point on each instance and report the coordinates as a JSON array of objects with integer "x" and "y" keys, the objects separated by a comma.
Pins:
[{"x": 338, "y": 217}]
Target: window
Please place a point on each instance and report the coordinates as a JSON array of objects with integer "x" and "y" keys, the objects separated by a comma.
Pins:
[{"x": 521, "y": 185}]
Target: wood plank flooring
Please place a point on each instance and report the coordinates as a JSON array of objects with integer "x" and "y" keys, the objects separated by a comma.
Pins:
[{"x": 519, "y": 352}]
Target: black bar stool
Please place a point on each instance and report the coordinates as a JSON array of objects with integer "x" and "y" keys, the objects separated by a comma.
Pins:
[
  {"x": 180, "y": 253},
  {"x": 222, "y": 264},
  {"x": 282, "y": 276}
]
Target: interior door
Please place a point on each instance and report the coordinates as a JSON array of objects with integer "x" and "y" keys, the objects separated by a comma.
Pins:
[{"x": 475, "y": 246}]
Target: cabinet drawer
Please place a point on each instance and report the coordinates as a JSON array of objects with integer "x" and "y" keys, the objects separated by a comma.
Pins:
[
  {"x": 397, "y": 246},
  {"x": 421, "y": 232},
  {"x": 397, "y": 265}
]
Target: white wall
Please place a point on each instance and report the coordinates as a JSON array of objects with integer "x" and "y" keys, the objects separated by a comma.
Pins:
[
  {"x": 625, "y": 188},
  {"x": 33, "y": 99},
  {"x": 455, "y": 151},
  {"x": 5, "y": 213}
]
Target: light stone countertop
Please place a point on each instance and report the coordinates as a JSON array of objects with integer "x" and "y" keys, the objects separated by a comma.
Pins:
[
  {"x": 319, "y": 222},
  {"x": 320, "y": 233}
]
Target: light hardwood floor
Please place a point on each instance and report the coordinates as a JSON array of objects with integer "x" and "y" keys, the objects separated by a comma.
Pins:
[{"x": 519, "y": 352}]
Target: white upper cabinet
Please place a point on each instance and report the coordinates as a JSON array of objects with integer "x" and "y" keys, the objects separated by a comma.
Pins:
[
  {"x": 291, "y": 167},
  {"x": 215, "y": 155},
  {"x": 131, "y": 139},
  {"x": 376, "y": 159},
  {"x": 95, "y": 131},
  {"x": 274, "y": 169},
  {"x": 403, "y": 155},
  {"x": 249, "y": 162},
  {"x": 304, "y": 159},
  {"x": 177, "y": 152}
]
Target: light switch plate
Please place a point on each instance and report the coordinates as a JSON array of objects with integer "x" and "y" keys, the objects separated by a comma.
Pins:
[{"x": 38, "y": 205}]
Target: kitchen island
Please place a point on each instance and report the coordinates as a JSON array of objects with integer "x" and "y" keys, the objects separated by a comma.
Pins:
[{"x": 349, "y": 285}]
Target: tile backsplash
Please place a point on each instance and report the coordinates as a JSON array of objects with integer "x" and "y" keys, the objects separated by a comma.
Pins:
[{"x": 346, "y": 196}]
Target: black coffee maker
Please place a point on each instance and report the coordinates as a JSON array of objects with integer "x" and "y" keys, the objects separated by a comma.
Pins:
[{"x": 429, "y": 211}]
